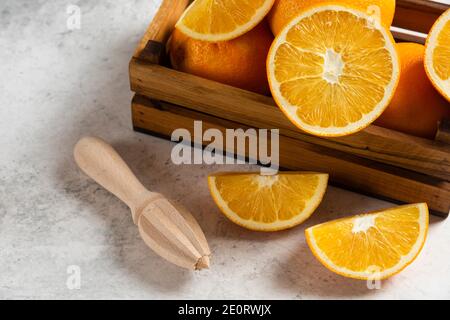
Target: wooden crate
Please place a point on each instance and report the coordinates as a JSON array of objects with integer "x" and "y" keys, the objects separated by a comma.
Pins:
[{"x": 376, "y": 161}]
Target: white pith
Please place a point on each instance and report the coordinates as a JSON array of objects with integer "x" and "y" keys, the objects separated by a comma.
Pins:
[
  {"x": 363, "y": 223},
  {"x": 333, "y": 66},
  {"x": 405, "y": 260},
  {"x": 443, "y": 84},
  {"x": 310, "y": 206},
  {"x": 291, "y": 110},
  {"x": 266, "y": 181},
  {"x": 217, "y": 37}
]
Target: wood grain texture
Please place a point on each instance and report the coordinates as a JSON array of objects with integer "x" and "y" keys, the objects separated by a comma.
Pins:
[
  {"x": 104, "y": 165},
  {"x": 173, "y": 234},
  {"x": 418, "y": 15},
  {"x": 350, "y": 171},
  {"x": 405, "y": 35},
  {"x": 443, "y": 133},
  {"x": 226, "y": 102},
  {"x": 152, "y": 45}
]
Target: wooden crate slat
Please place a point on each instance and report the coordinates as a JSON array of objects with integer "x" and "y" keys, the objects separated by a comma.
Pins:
[
  {"x": 153, "y": 42},
  {"x": 418, "y": 15},
  {"x": 444, "y": 132},
  {"x": 347, "y": 170},
  {"x": 405, "y": 35},
  {"x": 227, "y": 102}
]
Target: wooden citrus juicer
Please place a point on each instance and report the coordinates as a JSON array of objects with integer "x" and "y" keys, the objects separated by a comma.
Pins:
[{"x": 170, "y": 230}]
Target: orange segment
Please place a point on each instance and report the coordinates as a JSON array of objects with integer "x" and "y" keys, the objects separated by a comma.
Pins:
[
  {"x": 331, "y": 71},
  {"x": 382, "y": 242},
  {"x": 220, "y": 20},
  {"x": 268, "y": 203},
  {"x": 437, "y": 55}
]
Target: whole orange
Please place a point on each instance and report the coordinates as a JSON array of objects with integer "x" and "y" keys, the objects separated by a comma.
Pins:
[
  {"x": 240, "y": 62},
  {"x": 416, "y": 107},
  {"x": 283, "y": 11}
]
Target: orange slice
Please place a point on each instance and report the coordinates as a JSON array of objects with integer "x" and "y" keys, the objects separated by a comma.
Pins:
[
  {"x": 437, "y": 55},
  {"x": 332, "y": 71},
  {"x": 220, "y": 20},
  {"x": 268, "y": 203},
  {"x": 371, "y": 246}
]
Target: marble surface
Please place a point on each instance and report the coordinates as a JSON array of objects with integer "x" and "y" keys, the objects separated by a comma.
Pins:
[{"x": 57, "y": 85}]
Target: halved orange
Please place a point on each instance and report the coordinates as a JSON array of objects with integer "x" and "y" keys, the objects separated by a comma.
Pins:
[
  {"x": 373, "y": 246},
  {"x": 220, "y": 20},
  {"x": 437, "y": 55},
  {"x": 268, "y": 203},
  {"x": 332, "y": 71}
]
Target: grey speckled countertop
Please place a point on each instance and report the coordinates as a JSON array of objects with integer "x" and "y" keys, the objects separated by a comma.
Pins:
[{"x": 57, "y": 85}]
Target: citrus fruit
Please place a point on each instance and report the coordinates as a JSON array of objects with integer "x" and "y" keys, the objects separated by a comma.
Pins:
[
  {"x": 268, "y": 203},
  {"x": 437, "y": 55},
  {"x": 417, "y": 107},
  {"x": 371, "y": 246},
  {"x": 220, "y": 20},
  {"x": 283, "y": 11},
  {"x": 240, "y": 62},
  {"x": 331, "y": 71}
]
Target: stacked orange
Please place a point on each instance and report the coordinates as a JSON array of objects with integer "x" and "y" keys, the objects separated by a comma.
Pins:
[
  {"x": 416, "y": 107},
  {"x": 240, "y": 62},
  {"x": 208, "y": 43}
]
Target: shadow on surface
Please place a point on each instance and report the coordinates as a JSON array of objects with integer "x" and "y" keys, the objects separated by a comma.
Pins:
[
  {"x": 100, "y": 106},
  {"x": 304, "y": 275}
]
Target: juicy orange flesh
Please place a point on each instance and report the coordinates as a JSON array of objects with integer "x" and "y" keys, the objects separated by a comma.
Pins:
[
  {"x": 267, "y": 198},
  {"x": 220, "y": 16},
  {"x": 441, "y": 54},
  {"x": 299, "y": 68},
  {"x": 379, "y": 248}
]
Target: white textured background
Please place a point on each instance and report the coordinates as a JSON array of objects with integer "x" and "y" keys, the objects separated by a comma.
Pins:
[{"x": 57, "y": 85}]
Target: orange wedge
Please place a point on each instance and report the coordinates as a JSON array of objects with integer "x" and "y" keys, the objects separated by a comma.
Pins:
[
  {"x": 437, "y": 55},
  {"x": 371, "y": 246},
  {"x": 332, "y": 71},
  {"x": 268, "y": 203},
  {"x": 221, "y": 20}
]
